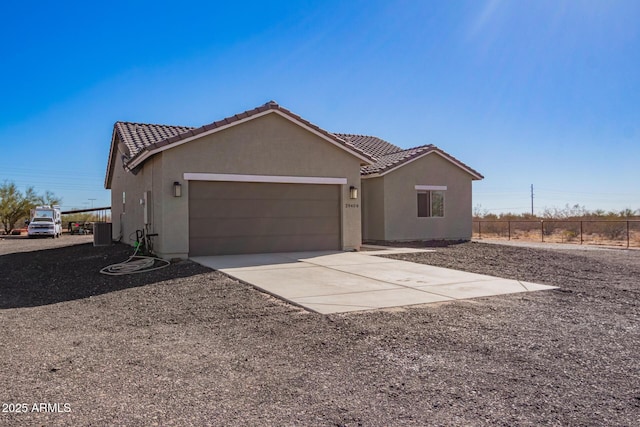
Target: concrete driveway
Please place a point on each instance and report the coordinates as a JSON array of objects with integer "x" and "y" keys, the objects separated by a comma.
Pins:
[{"x": 334, "y": 282}]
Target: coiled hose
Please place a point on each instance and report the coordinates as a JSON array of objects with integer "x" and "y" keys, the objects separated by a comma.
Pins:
[{"x": 135, "y": 264}]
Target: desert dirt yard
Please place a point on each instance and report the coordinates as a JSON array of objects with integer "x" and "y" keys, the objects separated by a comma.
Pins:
[{"x": 186, "y": 345}]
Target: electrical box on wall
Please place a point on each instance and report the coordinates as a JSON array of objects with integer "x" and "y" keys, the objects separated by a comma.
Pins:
[{"x": 146, "y": 198}]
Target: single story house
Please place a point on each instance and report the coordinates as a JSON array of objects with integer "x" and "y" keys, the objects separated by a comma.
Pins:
[{"x": 267, "y": 180}]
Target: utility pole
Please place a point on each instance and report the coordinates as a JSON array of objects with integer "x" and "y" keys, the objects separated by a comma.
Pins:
[
  {"x": 92, "y": 202},
  {"x": 531, "y": 199}
]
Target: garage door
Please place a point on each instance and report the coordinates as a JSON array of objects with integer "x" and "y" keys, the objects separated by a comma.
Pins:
[{"x": 243, "y": 218}]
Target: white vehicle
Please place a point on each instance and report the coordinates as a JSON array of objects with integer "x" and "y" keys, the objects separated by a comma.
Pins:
[{"x": 45, "y": 221}]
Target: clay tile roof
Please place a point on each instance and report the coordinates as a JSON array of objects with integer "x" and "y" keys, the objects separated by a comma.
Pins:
[
  {"x": 372, "y": 145},
  {"x": 384, "y": 156},
  {"x": 393, "y": 159},
  {"x": 138, "y": 136}
]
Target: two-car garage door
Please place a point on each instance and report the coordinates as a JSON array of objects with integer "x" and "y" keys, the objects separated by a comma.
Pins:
[{"x": 249, "y": 217}]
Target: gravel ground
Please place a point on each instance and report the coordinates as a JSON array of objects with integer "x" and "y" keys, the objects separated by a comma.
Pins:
[
  {"x": 188, "y": 346},
  {"x": 13, "y": 244}
]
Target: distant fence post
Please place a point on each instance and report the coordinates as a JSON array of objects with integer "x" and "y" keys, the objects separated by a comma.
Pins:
[
  {"x": 542, "y": 230},
  {"x": 509, "y": 232},
  {"x": 580, "y": 232},
  {"x": 479, "y": 229},
  {"x": 627, "y": 234}
]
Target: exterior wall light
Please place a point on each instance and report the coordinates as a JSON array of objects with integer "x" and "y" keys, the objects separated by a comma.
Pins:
[
  {"x": 177, "y": 189},
  {"x": 353, "y": 192}
]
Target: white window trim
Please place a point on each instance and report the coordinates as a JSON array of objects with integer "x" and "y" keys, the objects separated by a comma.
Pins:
[
  {"x": 277, "y": 179},
  {"x": 431, "y": 187},
  {"x": 428, "y": 189}
]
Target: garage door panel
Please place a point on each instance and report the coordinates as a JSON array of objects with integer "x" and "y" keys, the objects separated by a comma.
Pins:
[
  {"x": 258, "y": 191},
  {"x": 240, "y": 217},
  {"x": 308, "y": 227},
  {"x": 225, "y": 208},
  {"x": 255, "y": 244}
]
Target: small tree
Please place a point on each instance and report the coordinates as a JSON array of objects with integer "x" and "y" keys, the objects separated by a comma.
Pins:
[
  {"x": 15, "y": 205},
  {"x": 478, "y": 212},
  {"x": 48, "y": 199},
  {"x": 627, "y": 213}
]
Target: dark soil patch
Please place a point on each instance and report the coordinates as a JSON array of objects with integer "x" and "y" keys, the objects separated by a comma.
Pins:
[{"x": 189, "y": 346}]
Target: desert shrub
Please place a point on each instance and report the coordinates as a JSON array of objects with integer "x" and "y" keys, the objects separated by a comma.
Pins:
[
  {"x": 526, "y": 226},
  {"x": 549, "y": 227},
  {"x": 614, "y": 230},
  {"x": 499, "y": 228}
]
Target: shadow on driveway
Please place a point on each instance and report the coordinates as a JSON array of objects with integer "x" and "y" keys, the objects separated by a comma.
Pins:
[{"x": 30, "y": 279}]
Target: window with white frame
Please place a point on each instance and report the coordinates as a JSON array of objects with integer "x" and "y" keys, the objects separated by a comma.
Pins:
[{"x": 430, "y": 201}]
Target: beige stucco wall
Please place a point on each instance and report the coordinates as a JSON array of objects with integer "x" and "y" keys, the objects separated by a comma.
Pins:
[
  {"x": 373, "y": 209},
  {"x": 267, "y": 145},
  {"x": 401, "y": 221},
  {"x": 130, "y": 217}
]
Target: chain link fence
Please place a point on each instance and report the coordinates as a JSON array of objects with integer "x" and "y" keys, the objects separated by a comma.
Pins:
[{"x": 624, "y": 233}]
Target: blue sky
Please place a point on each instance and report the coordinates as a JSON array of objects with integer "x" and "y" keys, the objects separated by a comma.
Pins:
[{"x": 526, "y": 92}]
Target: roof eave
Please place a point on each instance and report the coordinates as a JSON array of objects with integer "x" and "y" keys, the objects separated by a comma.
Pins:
[
  {"x": 111, "y": 160},
  {"x": 369, "y": 175}
]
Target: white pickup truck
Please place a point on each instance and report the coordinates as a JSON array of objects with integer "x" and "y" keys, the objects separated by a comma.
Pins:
[{"x": 45, "y": 221}]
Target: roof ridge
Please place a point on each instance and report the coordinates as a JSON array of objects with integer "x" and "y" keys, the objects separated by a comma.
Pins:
[
  {"x": 152, "y": 124},
  {"x": 360, "y": 135},
  {"x": 182, "y": 132},
  {"x": 356, "y": 134},
  {"x": 418, "y": 147}
]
